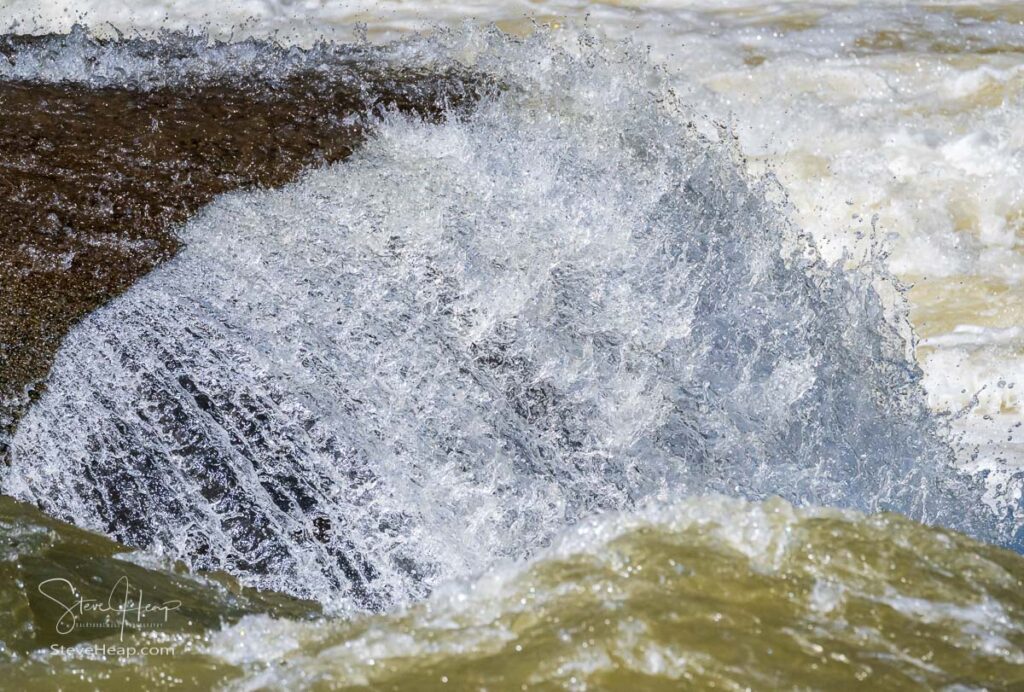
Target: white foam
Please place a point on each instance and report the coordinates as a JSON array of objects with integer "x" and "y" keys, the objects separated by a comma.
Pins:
[
  {"x": 907, "y": 111},
  {"x": 441, "y": 351}
]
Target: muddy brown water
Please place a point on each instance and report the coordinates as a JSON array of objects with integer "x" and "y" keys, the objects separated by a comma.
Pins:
[{"x": 94, "y": 181}]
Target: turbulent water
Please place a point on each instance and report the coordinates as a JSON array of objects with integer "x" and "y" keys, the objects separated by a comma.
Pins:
[
  {"x": 409, "y": 381},
  {"x": 904, "y": 110},
  {"x": 710, "y": 593}
]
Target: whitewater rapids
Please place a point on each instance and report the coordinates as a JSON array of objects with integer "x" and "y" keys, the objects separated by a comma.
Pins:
[
  {"x": 441, "y": 352},
  {"x": 472, "y": 376}
]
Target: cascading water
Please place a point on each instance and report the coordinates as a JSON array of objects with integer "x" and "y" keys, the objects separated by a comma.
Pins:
[{"x": 442, "y": 351}]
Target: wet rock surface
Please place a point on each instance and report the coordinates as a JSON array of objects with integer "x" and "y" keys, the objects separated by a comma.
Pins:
[{"x": 93, "y": 182}]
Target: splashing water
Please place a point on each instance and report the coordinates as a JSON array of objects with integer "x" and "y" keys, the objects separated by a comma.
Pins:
[
  {"x": 437, "y": 354},
  {"x": 180, "y": 59}
]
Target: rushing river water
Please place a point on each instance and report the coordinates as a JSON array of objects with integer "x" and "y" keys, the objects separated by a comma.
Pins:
[{"x": 658, "y": 347}]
